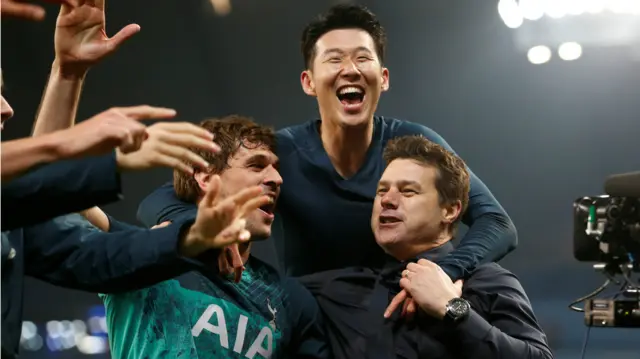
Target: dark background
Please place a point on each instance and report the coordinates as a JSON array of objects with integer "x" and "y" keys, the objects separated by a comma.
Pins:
[{"x": 538, "y": 136}]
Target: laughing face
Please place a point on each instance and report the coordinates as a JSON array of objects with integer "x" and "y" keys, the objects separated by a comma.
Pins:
[{"x": 347, "y": 77}]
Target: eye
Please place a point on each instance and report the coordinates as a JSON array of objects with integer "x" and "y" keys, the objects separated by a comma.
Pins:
[
  {"x": 335, "y": 60},
  {"x": 409, "y": 192},
  {"x": 363, "y": 58},
  {"x": 257, "y": 166},
  {"x": 381, "y": 191}
]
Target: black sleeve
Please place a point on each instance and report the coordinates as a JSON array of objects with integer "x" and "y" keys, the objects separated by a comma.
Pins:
[
  {"x": 69, "y": 252},
  {"x": 162, "y": 205},
  {"x": 59, "y": 188},
  {"x": 502, "y": 323},
  {"x": 309, "y": 340}
]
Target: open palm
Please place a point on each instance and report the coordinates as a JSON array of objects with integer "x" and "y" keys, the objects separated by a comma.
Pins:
[{"x": 81, "y": 39}]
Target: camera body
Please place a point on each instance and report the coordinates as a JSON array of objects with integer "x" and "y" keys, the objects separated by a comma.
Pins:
[{"x": 607, "y": 230}]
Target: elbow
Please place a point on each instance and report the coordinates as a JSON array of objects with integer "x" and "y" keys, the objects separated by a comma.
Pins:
[{"x": 505, "y": 229}]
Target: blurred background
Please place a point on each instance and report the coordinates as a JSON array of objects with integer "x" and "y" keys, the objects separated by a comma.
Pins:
[{"x": 541, "y": 98}]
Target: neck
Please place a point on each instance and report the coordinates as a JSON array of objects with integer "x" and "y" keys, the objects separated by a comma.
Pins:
[
  {"x": 409, "y": 251},
  {"x": 346, "y": 145}
]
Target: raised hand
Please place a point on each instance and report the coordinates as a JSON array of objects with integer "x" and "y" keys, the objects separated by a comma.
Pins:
[
  {"x": 26, "y": 11},
  {"x": 168, "y": 144},
  {"x": 81, "y": 39},
  {"x": 221, "y": 222},
  {"x": 116, "y": 127}
]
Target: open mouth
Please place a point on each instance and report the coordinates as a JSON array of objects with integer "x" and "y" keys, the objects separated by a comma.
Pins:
[
  {"x": 389, "y": 220},
  {"x": 350, "y": 95},
  {"x": 268, "y": 208}
]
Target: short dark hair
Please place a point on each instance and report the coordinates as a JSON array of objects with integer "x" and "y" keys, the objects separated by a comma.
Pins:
[
  {"x": 342, "y": 17},
  {"x": 230, "y": 133},
  {"x": 452, "y": 181}
]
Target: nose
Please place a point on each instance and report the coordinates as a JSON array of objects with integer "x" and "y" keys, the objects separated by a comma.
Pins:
[
  {"x": 273, "y": 180},
  {"x": 7, "y": 111},
  {"x": 349, "y": 69},
  {"x": 389, "y": 200}
]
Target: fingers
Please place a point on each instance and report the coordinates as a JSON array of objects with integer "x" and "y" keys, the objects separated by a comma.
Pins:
[
  {"x": 179, "y": 158},
  {"x": 211, "y": 194},
  {"x": 123, "y": 35},
  {"x": 243, "y": 197},
  {"x": 458, "y": 284},
  {"x": 395, "y": 303},
  {"x": 231, "y": 234},
  {"x": 236, "y": 261},
  {"x": 145, "y": 112},
  {"x": 405, "y": 304},
  {"x": 184, "y": 134},
  {"x": 253, "y": 204},
  {"x": 411, "y": 308},
  {"x": 223, "y": 264},
  {"x": 25, "y": 11},
  {"x": 161, "y": 225}
]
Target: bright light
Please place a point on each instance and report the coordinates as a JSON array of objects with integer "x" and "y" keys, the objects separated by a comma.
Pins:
[
  {"x": 510, "y": 13},
  {"x": 221, "y": 7},
  {"x": 575, "y": 7},
  {"x": 531, "y": 9},
  {"x": 556, "y": 8},
  {"x": 539, "y": 55},
  {"x": 595, "y": 6},
  {"x": 570, "y": 51},
  {"x": 92, "y": 345}
]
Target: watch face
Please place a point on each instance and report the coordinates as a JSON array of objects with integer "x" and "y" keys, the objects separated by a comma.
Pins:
[{"x": 458, "y": 307}]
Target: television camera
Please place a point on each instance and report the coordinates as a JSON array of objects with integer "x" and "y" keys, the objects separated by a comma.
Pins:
[{"x": 607, "y": 232}]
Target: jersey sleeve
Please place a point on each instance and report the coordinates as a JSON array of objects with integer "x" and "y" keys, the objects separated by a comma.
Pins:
[
  {"x": 491, "y": 235},
  {"x": 162, "y": 205},
  {"x": 309, "y": 340}
]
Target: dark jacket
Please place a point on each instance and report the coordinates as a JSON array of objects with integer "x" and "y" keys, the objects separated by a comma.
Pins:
[
  {"x": 68, "y": 251},
  {"x": 59, "y": 188}
]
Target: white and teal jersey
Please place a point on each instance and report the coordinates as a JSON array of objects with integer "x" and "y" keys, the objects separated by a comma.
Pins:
[{"x": 198, "y": 316}]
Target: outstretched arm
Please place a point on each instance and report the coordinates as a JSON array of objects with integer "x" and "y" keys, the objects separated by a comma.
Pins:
[{"x": 491, "y": 235}]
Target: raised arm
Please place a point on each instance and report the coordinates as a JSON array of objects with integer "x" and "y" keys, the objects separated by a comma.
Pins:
[
  {"x": 68, "y": 251},
  {"x": 491, "y": 235}
]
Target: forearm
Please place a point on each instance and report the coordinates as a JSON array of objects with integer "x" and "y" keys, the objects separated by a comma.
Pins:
[
  {"x": 477, "y": 338},
  {"x": 20, "y": 155},
  {"x": 69, "y": 252},
  {"x": 490, "y": 238},
  {"x": 59, "y": 188},
  {"x": 60, "y": 101}
]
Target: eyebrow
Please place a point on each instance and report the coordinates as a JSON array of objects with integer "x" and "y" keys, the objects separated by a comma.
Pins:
[
  {"x": 401, "y": 183},
  {"x": 264, "y": 157}
]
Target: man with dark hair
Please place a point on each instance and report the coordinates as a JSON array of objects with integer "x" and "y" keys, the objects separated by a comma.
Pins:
[
  {"x": 204, "y": 315},
  {"x": 418, "y": 203},
  {"x": 331, "y": 166}
]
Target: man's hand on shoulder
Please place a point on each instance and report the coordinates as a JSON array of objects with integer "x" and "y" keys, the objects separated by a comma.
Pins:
[{"x": 221, "y": 222}]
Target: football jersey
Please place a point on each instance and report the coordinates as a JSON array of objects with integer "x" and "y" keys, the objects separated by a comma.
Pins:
[{"x": 207, "y": 316}]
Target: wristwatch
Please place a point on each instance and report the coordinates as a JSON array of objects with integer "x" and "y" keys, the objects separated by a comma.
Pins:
[{"x": 457, "y": 310}]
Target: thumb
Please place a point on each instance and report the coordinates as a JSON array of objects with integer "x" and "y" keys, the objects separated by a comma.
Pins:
[
  {"x": 458, "y": 285},
  {"x": 123, "y": 35},
  {"x": 25, "y": 11}
]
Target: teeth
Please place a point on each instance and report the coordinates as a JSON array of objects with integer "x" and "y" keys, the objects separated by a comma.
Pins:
[{"x": 350, "y": 89}]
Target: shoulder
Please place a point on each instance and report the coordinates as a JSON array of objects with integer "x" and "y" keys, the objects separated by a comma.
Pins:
[
  {"x": 399, "y": 128},
  {"x": 291, "y": 137},
  {"x": 493, "y": 278}
]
